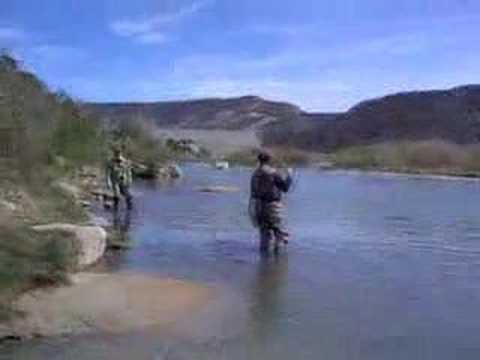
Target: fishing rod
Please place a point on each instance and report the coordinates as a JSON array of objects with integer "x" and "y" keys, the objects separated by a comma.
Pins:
[{"x": 293, "y": 173}]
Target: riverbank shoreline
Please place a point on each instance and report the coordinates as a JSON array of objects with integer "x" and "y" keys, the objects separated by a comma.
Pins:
[
  {"x": 292, "y": 157},
  {"x": 76, "y": 243},
  {"x": 404, "y": 174},
  {"x": 330, "y": 166}
]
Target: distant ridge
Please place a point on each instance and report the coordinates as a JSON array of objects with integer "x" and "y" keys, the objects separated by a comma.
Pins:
[
  {"x": 227, "y": 114},
  {"x": 452, "y": 115}
]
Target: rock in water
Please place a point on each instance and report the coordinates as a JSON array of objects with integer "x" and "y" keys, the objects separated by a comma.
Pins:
[
  {"x": 222, "y": 165},
  {"x": 175, "y": 171},
  {"x": 8, "y": 205},
  {"x": 218, "y": 189},
  {"x": 172, "y": 171},
  {"x": 89, "y": 242}
]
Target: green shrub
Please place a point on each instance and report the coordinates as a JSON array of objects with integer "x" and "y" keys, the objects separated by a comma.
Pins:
[
  {"x": 29, "y": 259},
  {"x": 77, "y": 140},
  {"x": 356, "y": 157},
  {"x": 47, "y": 124},
  {"x": 246, "y": 157},
  {"x": 140, "y": 145}
]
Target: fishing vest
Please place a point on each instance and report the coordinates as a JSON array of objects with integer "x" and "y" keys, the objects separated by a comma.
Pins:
[
  {"x": 263, "y": 185},
  {"x": 120, "y": 171}
]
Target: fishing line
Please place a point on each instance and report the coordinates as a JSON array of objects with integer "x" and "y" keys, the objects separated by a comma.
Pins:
[{"x": 295, "y": 180}]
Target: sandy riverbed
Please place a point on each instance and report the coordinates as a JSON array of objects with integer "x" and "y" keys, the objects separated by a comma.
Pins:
[{"x": 112, "y": 303}]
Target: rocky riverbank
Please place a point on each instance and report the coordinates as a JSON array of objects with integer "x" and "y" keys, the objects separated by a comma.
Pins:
[{"x": 61, "y": 217}]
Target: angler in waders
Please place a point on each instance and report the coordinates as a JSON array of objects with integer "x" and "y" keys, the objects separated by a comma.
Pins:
[
  {"x": 267, "y": 188},
  {"x": 119, "y": 179}
]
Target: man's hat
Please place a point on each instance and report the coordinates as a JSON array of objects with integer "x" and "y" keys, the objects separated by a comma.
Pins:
[{"x": 264, "y": 156}]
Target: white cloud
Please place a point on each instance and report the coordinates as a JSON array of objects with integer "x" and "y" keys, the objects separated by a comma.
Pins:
[
  {"x": 10, "y": 33},
  {"x": 53, "y": 52},
  {"x": 282, "y": 29},
  {"x": 330, "y": 78},
  {"x": 149, "y": 30},
  {"x": 318, "y": 76},
  {"x": 153, "y": 37}
]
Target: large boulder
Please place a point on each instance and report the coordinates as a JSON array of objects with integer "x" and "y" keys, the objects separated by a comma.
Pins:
[
  {"x": 185, "y": 147},
  {"x": 172, "y": 171},
  {"x": 7, "y": 205},
  {"x": 222, "y": 165},
  {"x": 88, "y": 242},
  {"x": 152, "y": 172}
]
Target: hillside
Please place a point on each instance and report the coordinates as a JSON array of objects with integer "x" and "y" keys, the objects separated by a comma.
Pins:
[
  {"x": 223, "y": 114},
  {"x": 452, "y": 115}
]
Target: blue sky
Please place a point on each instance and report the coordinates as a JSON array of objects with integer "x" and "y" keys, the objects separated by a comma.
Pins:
[{"x": 322, "y": 55}]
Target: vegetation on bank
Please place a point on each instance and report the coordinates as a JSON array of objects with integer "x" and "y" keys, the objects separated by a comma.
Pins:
[
  {"x": 429, "y": 156},
  {"x": 281, "y": 157},
  {"x": 28, "y": 260},
  {"x": 46, "y": 136},
  {"x": 415, "y": 157},
  {"x": 150, "y": 152}
]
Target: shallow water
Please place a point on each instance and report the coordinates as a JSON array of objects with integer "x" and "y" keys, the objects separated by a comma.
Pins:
[{"x": 380, "y": 267}]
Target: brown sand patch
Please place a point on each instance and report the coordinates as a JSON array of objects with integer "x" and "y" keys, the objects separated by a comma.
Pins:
[{"x": 114, "y": 303}]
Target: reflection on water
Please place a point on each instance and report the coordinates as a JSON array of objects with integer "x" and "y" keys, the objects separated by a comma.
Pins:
[
  {"x": 121, "y": 222},
  {"x": 378, "y": 268},
  {"x": 266, "y": 301}
]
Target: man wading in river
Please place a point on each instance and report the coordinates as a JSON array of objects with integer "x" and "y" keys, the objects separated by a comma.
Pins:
[
  {"x": 119, "y": 178},
  {"x": 267, "y": 188}
]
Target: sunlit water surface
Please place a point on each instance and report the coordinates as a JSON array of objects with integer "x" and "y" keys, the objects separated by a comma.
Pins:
[{"x": 379, "y": 267}]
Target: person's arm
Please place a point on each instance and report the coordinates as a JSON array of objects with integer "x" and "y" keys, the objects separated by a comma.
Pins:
[
  {"x": 283, "y": 183},
  {"x": 253, "y": 186},
  {"x": 129, "y": 173}
]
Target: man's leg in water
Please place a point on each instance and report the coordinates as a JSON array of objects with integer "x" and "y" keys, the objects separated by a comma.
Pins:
[
  {"x": 125, "y": 191},
  {"x": 277, "y": 219},
  {"x": 282, "y": 236},
  {"x": 265, "y": 238},
  {"x": 116, "y": 196}
]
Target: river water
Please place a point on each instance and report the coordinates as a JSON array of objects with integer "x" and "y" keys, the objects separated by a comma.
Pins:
[{"x": 379, "y": 267}]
